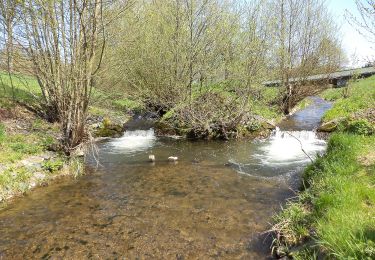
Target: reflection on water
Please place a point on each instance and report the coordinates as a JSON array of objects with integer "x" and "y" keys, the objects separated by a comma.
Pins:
[{"x": 212, "y": 204}]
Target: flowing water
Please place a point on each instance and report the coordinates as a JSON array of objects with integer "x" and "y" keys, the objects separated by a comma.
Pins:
[{"x": 214, "y": 203}]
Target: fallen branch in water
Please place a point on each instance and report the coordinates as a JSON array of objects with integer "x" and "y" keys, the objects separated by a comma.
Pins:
[{"x": 301, "y": 146}]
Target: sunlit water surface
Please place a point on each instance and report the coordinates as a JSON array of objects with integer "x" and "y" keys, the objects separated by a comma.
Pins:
[{"x": 214, "y": 203}]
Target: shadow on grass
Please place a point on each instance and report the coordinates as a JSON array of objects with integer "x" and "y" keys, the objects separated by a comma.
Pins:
[{"x": 21, "y": 96}]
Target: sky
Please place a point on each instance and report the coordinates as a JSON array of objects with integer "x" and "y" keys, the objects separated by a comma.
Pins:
[{"x": 354, "y": 44}]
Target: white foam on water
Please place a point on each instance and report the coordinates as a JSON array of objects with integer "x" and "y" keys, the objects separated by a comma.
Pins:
[
  {"x": 289, "y": 147},
  {"x": 137, "y": 140}
]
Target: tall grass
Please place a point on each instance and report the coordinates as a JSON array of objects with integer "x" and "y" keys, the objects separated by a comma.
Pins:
[
  {"x": 344, "y": 203},
  {"x": 336, "y": 210}
]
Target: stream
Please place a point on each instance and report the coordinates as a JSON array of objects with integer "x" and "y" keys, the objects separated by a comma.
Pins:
[{"x": 213, "y": 203}]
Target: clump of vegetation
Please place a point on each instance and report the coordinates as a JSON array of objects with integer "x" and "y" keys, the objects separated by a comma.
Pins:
[
  {"x": 292, "y": 224},
  {"x": 218, "y": 114},
  {"x": 360, "y": 127},
  {"x": 53, "y": 165},
  {"x": 14, "y": 180},
  {"x": 109, "y": 129}
]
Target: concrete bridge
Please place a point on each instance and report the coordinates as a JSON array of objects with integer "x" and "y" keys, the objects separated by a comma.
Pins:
[{"x": 337, "y": 79}]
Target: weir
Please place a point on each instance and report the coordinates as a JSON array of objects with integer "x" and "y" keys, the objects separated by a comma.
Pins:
[
  {"x": 134, "y": 141},
  {"x": 289, "y": 147}
]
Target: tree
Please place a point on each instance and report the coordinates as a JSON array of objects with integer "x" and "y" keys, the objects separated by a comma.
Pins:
[
  {"x": 176, "y": 54},
  {"x": 365, "y": 22},
  {"x": 62, "y": 39},
  {"x": 7, "y": 20},
  {"x": 306, "y": 43}
]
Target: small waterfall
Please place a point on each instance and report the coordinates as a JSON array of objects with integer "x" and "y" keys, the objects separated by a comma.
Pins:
[
  {"x": 289, "y": 147},
  {"x": 136, "y": 140}
]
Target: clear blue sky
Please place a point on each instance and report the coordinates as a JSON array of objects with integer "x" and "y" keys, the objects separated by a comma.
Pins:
[{"x": 353, "y": 42}]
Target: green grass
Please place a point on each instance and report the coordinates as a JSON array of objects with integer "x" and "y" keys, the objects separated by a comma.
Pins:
[
  {"x": 266, "y": 106},
  {"x": 15, "y": 180},
  {"x": 303, "y": 104},
  {"x": 127, "y": 104},
  {"x": 14, "y": 147},
  {"x": 266, "y": 110},
  {"x": 26, "y": 89},
  {"x": 337, "y": 208},
  {"x": 2, "y": 131},
  {"x": 358, "y": 96},
  {"x": 332, "y": 94}
]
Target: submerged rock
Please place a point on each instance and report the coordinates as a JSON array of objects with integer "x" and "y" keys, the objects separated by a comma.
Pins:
[
  {"x": 151, "y": 158},
  {"x": 172, "y": 158}
]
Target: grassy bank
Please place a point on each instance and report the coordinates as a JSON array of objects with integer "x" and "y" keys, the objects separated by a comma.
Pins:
[
  {"x": 29, "y": 155},
  {"x": 26, "y": 156},
  {"x": 358, "y": 96},
  {"x": 27, "y": 91},
  {"x": 333, "y": 215}
]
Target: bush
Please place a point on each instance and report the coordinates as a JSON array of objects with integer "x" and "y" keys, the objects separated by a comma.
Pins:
[{"x": 213, "y": 114}]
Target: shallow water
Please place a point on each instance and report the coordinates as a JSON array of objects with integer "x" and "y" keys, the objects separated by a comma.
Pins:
[
  {"x": 214, "y": 203},
  {"x": 308, "y": 118}
]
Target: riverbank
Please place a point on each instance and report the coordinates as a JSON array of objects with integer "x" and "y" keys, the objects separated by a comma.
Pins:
[
  {"x": 29, "y": 154},
  {"x": 332, "y": 216},
  {"x": 30, "y": 149}
]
